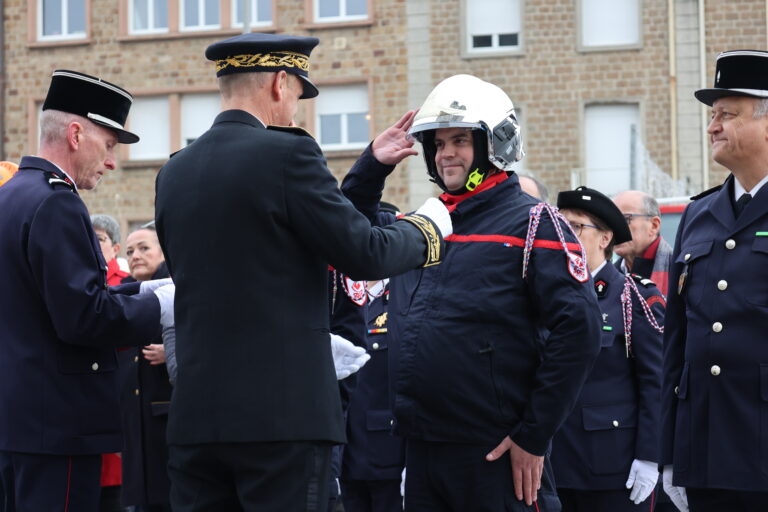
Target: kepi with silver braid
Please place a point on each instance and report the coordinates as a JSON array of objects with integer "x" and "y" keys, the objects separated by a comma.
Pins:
[{"x": 465, "y": 101}]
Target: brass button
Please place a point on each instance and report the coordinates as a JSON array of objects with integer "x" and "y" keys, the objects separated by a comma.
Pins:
[
  {"x": 375, "y": 346},
  {"x": 615, "y": 423},
  {"x": 722, "y": 285},
  {"x": 717, "y": 327},
  {"x": 730, "y": 243},
  {"x": 715, "y": 370},
  {"x": 95, "y": 366},
  {"x": 136, "y": 391},
  {"x": 687, "y": 257}
]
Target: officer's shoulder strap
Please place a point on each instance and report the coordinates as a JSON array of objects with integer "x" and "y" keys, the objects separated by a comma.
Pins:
[
  {"x": 290, "y": 129},
  {"x": 706, "y": 192},
  {"x": 56, "y": 181},
  {"x": 643, "y": 280}
]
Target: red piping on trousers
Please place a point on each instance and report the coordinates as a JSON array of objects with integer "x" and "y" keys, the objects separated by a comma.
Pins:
[
  {"x": 653, "y": 500},
  {"x": 69, "y": 478},
  {"x": 511, "y": 240},
  {"x": 536, "y": 504}
]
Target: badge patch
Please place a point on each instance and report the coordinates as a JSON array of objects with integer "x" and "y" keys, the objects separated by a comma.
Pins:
[
  {"x": 600, "y": 288},
  {"x": 381, "y": 320},
  {"x": 577, "y": 267},
  {"x": 356, "y": 291}
]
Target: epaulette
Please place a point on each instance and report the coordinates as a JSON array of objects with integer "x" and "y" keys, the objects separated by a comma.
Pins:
[
  {"x": 643, "y": 280},
  {"x": 706, "y": 193},
  {"x": 296, "y": 130},
  {"x": 54, "y": 180},
  {"x": 174, "y": 154}
]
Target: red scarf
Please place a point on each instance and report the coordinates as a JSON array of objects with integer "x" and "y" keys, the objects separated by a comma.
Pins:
[{"x": 452, "y": 200}]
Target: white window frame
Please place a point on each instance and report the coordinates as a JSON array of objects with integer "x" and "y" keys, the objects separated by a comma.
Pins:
[
  {"x": 607, "y": 47},
  {"x": 254, "y": 24},
  {"x": 65, "y": 35},
  {"x": 468, "y": 51},
  {"x": 150, "y": 20},
  {"x": 201, "y": 10},
  {"x": 213, "y": 95},
  {"x": 342, "y": 17},
  {"x": 344, "y": 128},
  {"x": 131, "y": 126}
]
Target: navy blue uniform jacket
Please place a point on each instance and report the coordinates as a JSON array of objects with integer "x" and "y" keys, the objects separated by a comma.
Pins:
[
  {"x": 252, "y": 346},
  {"x": 475, "y": 361},
  {"x": 715, "y": 392},
  {"x": 59, "y": 323},
  {"x": 616, "y": 419}
]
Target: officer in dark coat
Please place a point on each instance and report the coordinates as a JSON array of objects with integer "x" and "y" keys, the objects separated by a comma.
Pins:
[
  {"x": 605, "y": 455},
  {"x": 60, "y": 322},
  {"x": 495, "y": 343},
  {"x": 373, "y": 458},
  {"x": 256, "y": 405},
  {"x": 715, "y": 391}
]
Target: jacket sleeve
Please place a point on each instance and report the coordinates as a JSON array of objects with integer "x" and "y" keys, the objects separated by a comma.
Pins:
[
  {"x": 571, "y": 314},
  {"x": 330, "y": 224},
  {"x": 364, "y": 184},
  {"x": 647, "y": 352},
  {"x": 71, "y": 281},
  {"x": 674, "y": 349}
]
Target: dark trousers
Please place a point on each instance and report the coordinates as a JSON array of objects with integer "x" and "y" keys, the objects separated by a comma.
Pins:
[
  {"x": 50, "y": 483},
  {"x": 371, "y": 495},
  {"x": 721, "y": 500},
  {"x": 443, "y": 477},
  {"x": 578, "y": 500},
  {"x": 279, "y": 476}
]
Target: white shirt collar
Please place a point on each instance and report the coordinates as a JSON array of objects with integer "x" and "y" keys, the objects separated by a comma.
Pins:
[
  {"x": 65, "y": 174},
  {"x": 738, "y": 190}
]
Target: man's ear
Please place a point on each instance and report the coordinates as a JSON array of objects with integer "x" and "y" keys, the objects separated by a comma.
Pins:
[
  {"x": 655, "y": 225},
  {"x": 75, "y": 133},
  {"x": 279, "y": 84},
  {"x": 116, "y": 247}
]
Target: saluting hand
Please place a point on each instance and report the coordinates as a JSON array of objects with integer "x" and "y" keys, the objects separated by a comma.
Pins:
[
  {"x": 394, "y": 144},
  {"x": 526, "y": 469}
]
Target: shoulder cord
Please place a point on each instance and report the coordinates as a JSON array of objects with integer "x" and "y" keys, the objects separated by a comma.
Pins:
[
  {"x": 626, "y": 303},
  {"x": 576, "y": 263}
]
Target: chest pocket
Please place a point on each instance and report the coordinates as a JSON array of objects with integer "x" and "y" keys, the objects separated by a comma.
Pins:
[{"x": 694, "y": 260}]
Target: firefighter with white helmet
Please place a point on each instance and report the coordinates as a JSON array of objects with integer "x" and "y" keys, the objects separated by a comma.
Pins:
[{"x": 490, "y": 348}]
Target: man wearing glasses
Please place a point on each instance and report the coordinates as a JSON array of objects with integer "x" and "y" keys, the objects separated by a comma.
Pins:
[{"x": 647, "y": 254}]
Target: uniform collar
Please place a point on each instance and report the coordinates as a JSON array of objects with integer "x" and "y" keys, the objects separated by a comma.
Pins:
[
  {"x": 41, "y": 164},
  {"x": 452, "y": 201},
  {"x": 239, "y": 116},
  {"x": 739, "y": 190}
]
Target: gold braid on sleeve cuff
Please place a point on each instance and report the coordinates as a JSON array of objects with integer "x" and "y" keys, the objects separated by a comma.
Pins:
[{"x": 435, "y": 242}]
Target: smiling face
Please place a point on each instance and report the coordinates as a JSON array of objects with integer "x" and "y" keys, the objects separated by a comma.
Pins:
[
  {"x": 454, "y": 156},
  {"x": 144, "y": 254},
  {"x": 738, "y": 139}
]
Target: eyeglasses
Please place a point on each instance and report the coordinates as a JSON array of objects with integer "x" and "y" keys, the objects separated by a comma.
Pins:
[
  {"x": 629, "y": 216},
  {"x": 577, "y": 227}
]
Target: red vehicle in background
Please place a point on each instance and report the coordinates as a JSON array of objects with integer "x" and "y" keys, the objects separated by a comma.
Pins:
[{"x": 671, "y": 211}]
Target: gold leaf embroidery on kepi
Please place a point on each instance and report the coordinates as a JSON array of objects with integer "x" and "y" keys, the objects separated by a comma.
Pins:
[{"x": 265, "y": 60}]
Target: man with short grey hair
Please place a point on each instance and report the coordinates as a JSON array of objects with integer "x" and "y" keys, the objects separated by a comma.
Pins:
[{"x": 647, "y": 254}]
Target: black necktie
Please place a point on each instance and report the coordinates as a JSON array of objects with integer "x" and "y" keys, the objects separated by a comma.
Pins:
[{"x": 741, "y": 203}]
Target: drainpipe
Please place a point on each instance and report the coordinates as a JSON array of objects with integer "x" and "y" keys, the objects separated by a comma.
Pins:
[
  {"x": 2, "y": 80},
  {"x": 673, "y": 87},
  {"x": 704, "y": 113}
]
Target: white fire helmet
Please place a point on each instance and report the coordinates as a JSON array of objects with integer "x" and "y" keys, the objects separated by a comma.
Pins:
[{"x": 465, "y": 101}]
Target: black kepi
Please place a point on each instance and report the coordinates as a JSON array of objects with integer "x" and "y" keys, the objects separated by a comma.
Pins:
[
  {"x": 738, "y": 73},
  {"x": 598, "y": 204}
]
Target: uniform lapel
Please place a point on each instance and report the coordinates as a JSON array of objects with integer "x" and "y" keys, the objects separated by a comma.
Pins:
[{"x": 722, "y": 207}]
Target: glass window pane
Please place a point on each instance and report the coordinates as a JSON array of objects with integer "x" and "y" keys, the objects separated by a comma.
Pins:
[
  {"x": 608, "y": 139},
  {"x": 191, "y": 13},
  {"x": 608, "y": 22},
  {"x": 197, "y": 114},
  {"x": 149, "y": 119},
  {"x": 482, "y": 41},
  {"x": 330, "y": 129},
  {"x": 76, "y": 17},
  {"x": 328, "y": 8},
  {"x": 264, "y": 9},
  {"x": 237, "y": 11},
  {"x": 139, "y": 13},
  {"x": 161, "y": 13},
  {"x": 211, "y": 12},
  {"x": 492, "y": 17},
  {"x": 507, "y": 39},
  {"x": 357, "y": 7},
  {"x": 357, "y": 127},
  {"x": 51, "y": 17}
]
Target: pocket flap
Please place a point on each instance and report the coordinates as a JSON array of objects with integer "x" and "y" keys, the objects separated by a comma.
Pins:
[
  {"x": 609, "y": 417},
  {"x": 378, "y": 420},
  {"x": 760, "y": 244},
  {"x": 160, "y": 408},
  {"x": 692, "y": 252}
]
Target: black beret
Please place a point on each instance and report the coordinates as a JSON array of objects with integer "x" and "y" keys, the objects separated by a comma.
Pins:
[
  {"x": 265, "y": 52},
  {"x": 96, "y": 99},
  {"x": 599, "y": 205},
  {"x": 738, "y": 73}
]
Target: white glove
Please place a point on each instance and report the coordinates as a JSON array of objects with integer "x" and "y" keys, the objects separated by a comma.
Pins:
[
  {"x": 165, "y": 296},
  {"x": 676, "y": 494},
  {"x": 643, "y": 476},
  {"x": 402, "y": 483},
  {"x": 347, "y": 358},
  {"x": 154, "y": 284},
  {"x": 438, "y": 213}
]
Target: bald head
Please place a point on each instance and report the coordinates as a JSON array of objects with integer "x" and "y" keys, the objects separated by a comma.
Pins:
[
  {"x": 644, "y": 222},
  {"x": 534, "y": 187}
]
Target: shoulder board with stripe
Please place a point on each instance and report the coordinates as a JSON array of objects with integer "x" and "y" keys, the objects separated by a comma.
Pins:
[
  {"x": 54, "y": 180},
  {"x": 643, "y": 280},
  {"x": 706, "y": 193},
  {"x": 290, "y": 129}
]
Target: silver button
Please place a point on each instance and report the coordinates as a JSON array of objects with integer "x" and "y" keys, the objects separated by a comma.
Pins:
[
  {"x": 717, "y": 327},
  {"x": 375, "y": 346},
  {"x": 687, "y": 256},
  {"x": 677, "y": 390},
  {"x": 135, "y": 359},
  {"x": 615, "y": 423},
  {"x": 722, "y": 285},
  {"x": 391, "y": 422},
  {"x": 95, "y": 366},
  {"x": 715, "y": 370},
  {"x": 730, "y": 243},
  {"x": 136, "y": 391}
]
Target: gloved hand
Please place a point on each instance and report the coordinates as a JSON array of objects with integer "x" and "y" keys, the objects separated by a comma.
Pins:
[
  {"x": 153, "y": 284},
  {"x": 438, "y": 213},
  {"x": 676, "y": 494},
  {"x": 347, "y": 358},
  {"x": 643, "y": 476},
  {"x": 402, "y": 483},
  {"x": 165, "y": 296}
]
